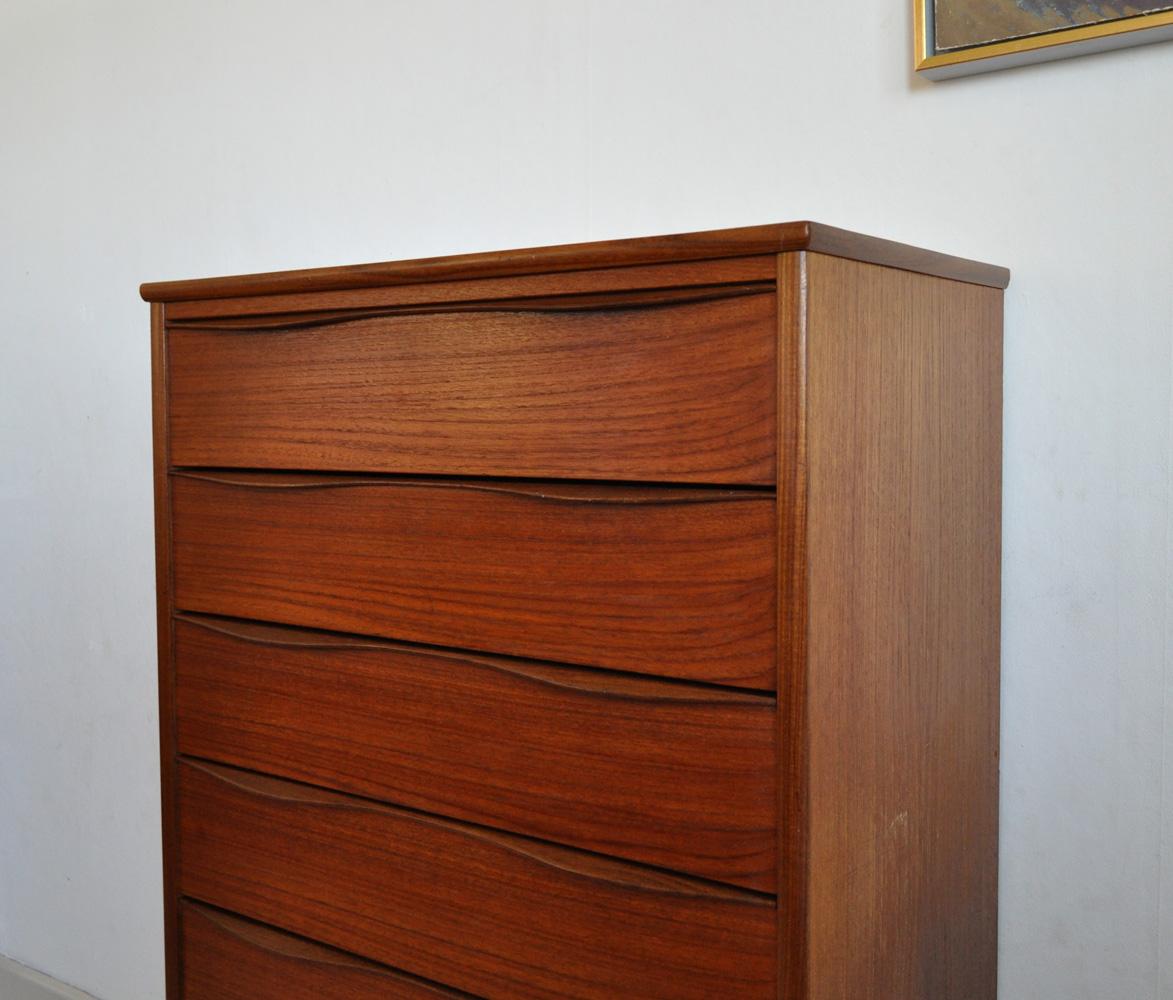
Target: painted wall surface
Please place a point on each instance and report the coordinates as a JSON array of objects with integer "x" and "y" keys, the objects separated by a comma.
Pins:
[{"x": 147, "y": 140}]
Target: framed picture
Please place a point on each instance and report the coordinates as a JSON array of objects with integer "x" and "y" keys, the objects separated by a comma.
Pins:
[{"x": 959, "y": 37}]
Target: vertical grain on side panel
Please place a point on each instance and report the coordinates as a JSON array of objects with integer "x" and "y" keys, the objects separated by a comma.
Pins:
[
  {"x": 793, "y": 816},
  {"x": 904, "y": 451},
  {"x": 162, "y": 464}
]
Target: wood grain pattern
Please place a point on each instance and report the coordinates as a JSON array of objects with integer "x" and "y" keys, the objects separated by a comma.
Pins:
[
  {"x": 675, "y": 582},
  {"x": 711, "y": 245},
  {"x": 644, "y": 298},
  {"x": 679, "y": 392},
  {"x": 743, "y": 485},
  {"x": 227, "y": 958},
  {"x": 829, "y": 241},
  {"x": 572, "y": 284},
  {"x": 670, "y": 774},
  {"x": 164, "y": 638},
  {"x": 793, "y": 721},
  {"x": 904, "y": 453},
  {"x": 493, "y": 914}
]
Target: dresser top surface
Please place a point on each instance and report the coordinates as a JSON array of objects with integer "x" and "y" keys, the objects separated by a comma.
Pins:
[{"x": 710, "y": 245}]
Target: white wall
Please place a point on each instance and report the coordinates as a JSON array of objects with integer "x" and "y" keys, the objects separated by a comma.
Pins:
[{"x": 149, "y": 140}]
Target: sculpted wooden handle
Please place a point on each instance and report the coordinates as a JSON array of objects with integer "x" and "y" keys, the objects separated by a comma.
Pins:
[
  {"x": 572, "y": 493},
  {"x": 590, "y": 682},
  {"x": 586, "y": 302}
]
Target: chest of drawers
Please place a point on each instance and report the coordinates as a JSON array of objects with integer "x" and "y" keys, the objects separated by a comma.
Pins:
[{"x": 607, "y": 621}]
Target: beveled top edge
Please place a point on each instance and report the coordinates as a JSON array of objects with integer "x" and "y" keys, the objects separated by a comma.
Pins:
[{"x": 711, "y": 245}]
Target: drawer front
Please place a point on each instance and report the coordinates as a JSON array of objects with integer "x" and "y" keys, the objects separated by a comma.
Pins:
[
  {"x": 677, "y": 582},
  {"x": 670, "y": 774},
  {"x": 681, "y": 392},
  {"x": 493, "y": 914},
  {"x": 226, "y": 958}
]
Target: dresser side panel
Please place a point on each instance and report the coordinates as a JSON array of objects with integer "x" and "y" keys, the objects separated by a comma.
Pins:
[{"x": 903, "y": 535}]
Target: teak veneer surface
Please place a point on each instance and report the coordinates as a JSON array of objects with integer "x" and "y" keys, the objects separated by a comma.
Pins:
[
  {"x": 715, "y": 244},
  {"x": 482, "y": 911},
  {"x": 608, "y": 620},
  {"x": 160, "y": 440},
  {"x": 904, "y": 493},
  {"x": 651, "y": 390},
  {"x": 596, "y": 286},
  {"x": 671, "y": 774},
  {"x": 226, "y": 958},
  {"x": 672, "y": 582}
]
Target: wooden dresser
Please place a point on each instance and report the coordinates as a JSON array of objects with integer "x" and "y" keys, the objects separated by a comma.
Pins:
[{"x": 605, "y": 621}]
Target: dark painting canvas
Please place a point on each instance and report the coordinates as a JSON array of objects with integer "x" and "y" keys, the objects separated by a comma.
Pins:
[{"x": 963, "y": 23}]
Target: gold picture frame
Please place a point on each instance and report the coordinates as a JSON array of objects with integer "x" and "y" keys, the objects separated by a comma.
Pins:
[{"x": 1040, "y": 46}]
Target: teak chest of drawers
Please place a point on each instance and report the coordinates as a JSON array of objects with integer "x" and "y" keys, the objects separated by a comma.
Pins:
[{"x": 604, "y": 621}]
